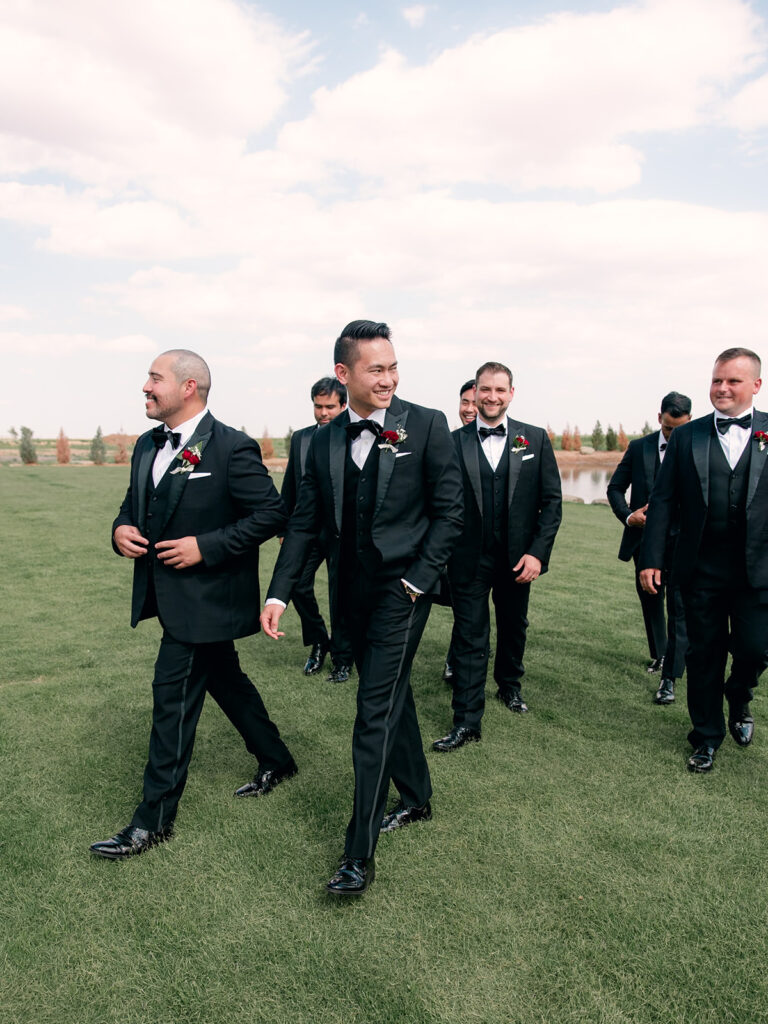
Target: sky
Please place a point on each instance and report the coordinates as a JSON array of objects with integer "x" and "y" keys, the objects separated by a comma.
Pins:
[{"x": 576, "y": 189}]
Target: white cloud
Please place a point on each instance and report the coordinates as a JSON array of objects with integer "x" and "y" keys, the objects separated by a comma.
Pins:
[
  {"x": 60, "y": 344},
  {"x": 749, "y": 109},
  {"x": 415, "y": 16},
  {"x": 13, "y": 313}
]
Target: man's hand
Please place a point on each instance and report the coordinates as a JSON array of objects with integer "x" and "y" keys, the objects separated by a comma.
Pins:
[
  {"x": 270, "y": 618},
  {"x": 638, "y": 517},
  {"x": 530, "y": 569},
  {"x": 130, "y": 542},
  {"x": 179, "y": 554},
  {"x": 650, "y": 580}
]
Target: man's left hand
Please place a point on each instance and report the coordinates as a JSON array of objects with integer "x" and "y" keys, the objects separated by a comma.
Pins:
[
  {"x": 529, "y": 567},
  {"x": 181, "y": 553}
]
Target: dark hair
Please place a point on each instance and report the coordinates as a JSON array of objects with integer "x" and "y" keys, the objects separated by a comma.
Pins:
[
  {"x": 676, "y": 404},
  {"x": 739, "y": 353},
  {"x": 466, "y": 387},
  {"x": 494, "y": 368},
  {"x": 347, "y": 343},
  {"x": 329, "y": 386}
]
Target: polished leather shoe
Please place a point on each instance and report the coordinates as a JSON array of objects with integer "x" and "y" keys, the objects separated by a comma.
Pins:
[
  {"x": 702, "y": 759},
  {"x": 400, "y": 816},
  {"x": 741, "y": 724},
  {"x": 655, "y": 665},
  {"x": 511, "y": 698},
  {"x": 339, "y": 673},
  {"x": 130, "y": 842},
  {"x": 353, "y": 876},
  {"x": 665, "y": 693},
  {"x": 316, "y": 658},
  {"x": 459, "y": 736},
  {"x": 448, "y": 672},
  {"x": 265, "y": 781}
]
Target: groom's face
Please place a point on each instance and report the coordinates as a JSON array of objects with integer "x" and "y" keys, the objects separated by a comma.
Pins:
[
  {"x": 372, "y": 378},
  {"x": 492, "y": 396},
  {"x": 734, "y": 385},
  {"x": 163, "y": 393}
]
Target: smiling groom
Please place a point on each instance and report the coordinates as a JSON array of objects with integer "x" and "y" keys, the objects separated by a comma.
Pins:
[{"x": 382, "y": 483}]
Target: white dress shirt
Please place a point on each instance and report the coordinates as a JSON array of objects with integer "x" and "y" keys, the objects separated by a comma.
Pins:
[
  {"x": 735, "y": 439},
  {"x": 493, "y": 446},
  {"x": 361, "y": 446},
  {"x": 663, "y": 442},
  {"x": 168, "y": 453}
]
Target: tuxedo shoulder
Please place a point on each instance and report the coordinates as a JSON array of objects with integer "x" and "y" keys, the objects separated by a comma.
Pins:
[
  {"x": 414, "y": 410},
  {"x": 517, "y": 427}
]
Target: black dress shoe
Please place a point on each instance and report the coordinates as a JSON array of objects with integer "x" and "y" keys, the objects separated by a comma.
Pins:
[
  {"x": 400, "y": 816},
  {"x": 339, "y": 673},
  {"x": 654, "y": 665},
  {"x": 666, "y": 692},
  {"x": 741, "y": 724},
  {"x": 316, "y": 658},
  {"x": 702, "y": 759},
  {"x": 457, "y": 737},
  {"x": 130, "y": 842},
  {"x": 512, "y": 699},
  {"x": 448, "y": 672},
  {"x": 265, "y": 781},
  {"x": 353, "y": 876}
]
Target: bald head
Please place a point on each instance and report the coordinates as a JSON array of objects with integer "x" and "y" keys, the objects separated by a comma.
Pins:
[
  {"x": 177, "y": 387},
  {"x": 187, "y": 365}
]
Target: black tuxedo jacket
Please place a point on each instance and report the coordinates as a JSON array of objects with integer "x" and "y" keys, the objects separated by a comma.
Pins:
[
  {"x": 682, "y": 486},
  {"x": 533, "y": 493},
  {"x": 230, "y": 505},
  {"x": 637, "y": 470},
  {"x": 297, "y": 460},
  {"x": 418, "y": 506}
]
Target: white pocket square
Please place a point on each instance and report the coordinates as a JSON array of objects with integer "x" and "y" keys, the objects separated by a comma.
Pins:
[
  {"x": 531, "y": 456},
  {"x": 399, "y": 455},
  {"x": 198, "y": 476}
]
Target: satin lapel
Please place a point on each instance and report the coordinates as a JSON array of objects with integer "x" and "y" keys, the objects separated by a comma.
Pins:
[
  {"x": 304, "y": 442},
  {"x": 515, "y": 459},
  {"x": 179, "y": 480},
  {"x": 702, "y": 435},
  {"x": 143, "y": 470},
  {"x": 650, "y": 451},
  {"x": 470, "y": 452},
  {"x": 757, "y": 458},
  {"x": 337, "y": 452},
  {"x": 393, "y": 420}
]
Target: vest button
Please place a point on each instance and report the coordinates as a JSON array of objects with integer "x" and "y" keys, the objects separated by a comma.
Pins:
[
  {"x": 150, "y": 514},
  {"x": 154, "y": 497}
]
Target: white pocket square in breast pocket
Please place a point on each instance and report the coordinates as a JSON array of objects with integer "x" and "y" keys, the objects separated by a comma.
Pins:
[
  {"x": 198, "y": 476},
  {"x": 531, "y": 456},
  {"x": 400, "y": 455}
]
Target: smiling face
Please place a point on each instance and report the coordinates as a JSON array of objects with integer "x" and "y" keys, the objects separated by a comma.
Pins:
[
  {"x": 166, "y": 398},
  {"x": 493, "y": 395},
  {"x": 734, "y": 385},
  {"x": 372, "y": 379},
  {"x": 467, "y": 407}
]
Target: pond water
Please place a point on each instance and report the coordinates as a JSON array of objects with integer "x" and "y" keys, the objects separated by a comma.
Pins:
[{"x": 585, "y": 483}]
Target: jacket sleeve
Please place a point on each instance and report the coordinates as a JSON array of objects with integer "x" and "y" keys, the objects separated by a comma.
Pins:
[
  {"x": 662, "y": 508},
  {"x": 619, "y": 484},
  {"x": 304, "y": 528},
  {"x": 125, "y": 515},
  {"x": 550, "y": 505}
]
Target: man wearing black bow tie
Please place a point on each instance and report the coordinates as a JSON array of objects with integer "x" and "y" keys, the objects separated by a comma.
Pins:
[
  {"x": 637, "y": 470},
  {"x": 714, "y": 477},
  {"x": 383, "y": 484},
  {"x": 199, "y": 504},
  {"x": 512, "y": 511}
]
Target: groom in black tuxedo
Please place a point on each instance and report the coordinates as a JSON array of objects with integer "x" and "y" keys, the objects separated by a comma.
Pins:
[
  {"x": 199, "y": 504},
  {"x": 383, "y": 484},
  {"x": 512, "y": 511},
  {"x": 714, "y": 478}
]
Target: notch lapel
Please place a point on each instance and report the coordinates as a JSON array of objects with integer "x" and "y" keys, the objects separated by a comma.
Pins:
[
  {"x": 470, "y": 453},
  {"x": 757, "y": 459},
  {"x": 178, "y": 481},
  {"x": 337, "y": 453},
  {"x": 515, "y": 461},
  {"x": 700, "y": 441},
  {"x": 304, "y": 442},
  {"x": 395, "y": 419}
]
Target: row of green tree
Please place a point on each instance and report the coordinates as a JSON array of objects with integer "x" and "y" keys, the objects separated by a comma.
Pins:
[
  {"x": 601, "y": 440},
  {"x": 98, "y": 454}
]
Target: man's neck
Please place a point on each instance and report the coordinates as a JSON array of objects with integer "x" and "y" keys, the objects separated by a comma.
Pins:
[
  {"x": 734, "y": 415},
  {"x": 371, "y": 414},
  {"x": 483, "y": 422},
  {"x": 183, "y": 416}
]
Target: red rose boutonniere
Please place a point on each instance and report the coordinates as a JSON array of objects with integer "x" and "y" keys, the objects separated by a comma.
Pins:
[
  {"x": 190, "y": 458},
  {"x": 391, "y": 438},
  {"x": 520, "y": 444},
  {"x": 762, "y": 439}
]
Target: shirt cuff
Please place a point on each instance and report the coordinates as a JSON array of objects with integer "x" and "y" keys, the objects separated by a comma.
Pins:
[
  {"x": 275, "y": 600},
  {"x": 411, "y": 586}
]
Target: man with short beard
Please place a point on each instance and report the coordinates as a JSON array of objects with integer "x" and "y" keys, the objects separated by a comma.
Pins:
[
  {"x": 199, "y": 504},
  {"x": 512, "y": 511}
]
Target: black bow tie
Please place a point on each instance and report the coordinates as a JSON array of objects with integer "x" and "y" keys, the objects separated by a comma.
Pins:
[
  {"x": 160, "y": 435},
  {"x": 663, "y": 446},
  {"x": 742, "y": 421},
  {"x": 499, "y": 431},
  {"x": 355, "y": 429}
]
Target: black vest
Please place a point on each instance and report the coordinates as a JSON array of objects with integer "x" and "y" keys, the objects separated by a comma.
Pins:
[
  {"x": 494, "y": 485},
  {"x": 722, "y": 552},
  {"x": 357, "y": 548}
]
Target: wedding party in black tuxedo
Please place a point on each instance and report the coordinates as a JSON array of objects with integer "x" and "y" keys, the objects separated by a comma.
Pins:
[{"x": 407, "y": 514}]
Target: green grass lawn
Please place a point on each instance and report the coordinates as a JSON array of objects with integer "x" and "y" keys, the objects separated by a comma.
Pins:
[{"x": 573, "y": 871}]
